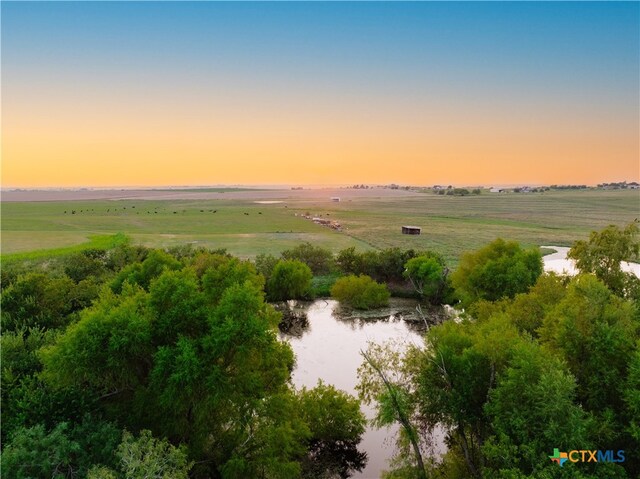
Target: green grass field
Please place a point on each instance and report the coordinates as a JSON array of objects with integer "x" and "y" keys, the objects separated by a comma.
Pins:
[{"x": 450, "y": 225}]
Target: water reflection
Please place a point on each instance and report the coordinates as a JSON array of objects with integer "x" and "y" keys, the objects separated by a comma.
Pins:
[{"x": 328, "y": 348}]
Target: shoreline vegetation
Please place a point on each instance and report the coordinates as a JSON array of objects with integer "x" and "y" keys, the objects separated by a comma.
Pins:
[{"x": 135, "y": 344}]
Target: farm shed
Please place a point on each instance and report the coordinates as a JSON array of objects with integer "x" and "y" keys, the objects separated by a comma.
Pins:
[{"x": 411, "y": 230}]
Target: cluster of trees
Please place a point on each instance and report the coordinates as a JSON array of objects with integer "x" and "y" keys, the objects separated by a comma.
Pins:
[
  {"x": 538, "y": 362},
  {"x": 458, "y": 191},
  {"x": 147, "y": 363},
  {"x": 314, "y": 270},
  {"x": 135, "y": 362}
]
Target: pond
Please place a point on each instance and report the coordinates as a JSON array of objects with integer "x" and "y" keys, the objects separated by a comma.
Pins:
[
  {"x": 558, "y": 262},
  {"x": 328, "y": 348}
]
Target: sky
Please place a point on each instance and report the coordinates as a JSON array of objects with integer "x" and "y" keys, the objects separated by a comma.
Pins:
[{"x": 174, "y": 93}]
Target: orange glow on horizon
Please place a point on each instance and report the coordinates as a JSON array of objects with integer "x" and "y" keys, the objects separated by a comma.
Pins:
[{"x": 252, "y": 140}]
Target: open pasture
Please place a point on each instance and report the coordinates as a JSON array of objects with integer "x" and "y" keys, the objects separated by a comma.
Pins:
[{"x": 370, "y": 219}]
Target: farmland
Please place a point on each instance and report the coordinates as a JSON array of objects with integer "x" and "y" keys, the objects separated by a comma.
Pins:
[{"x": 369, "y": 218}]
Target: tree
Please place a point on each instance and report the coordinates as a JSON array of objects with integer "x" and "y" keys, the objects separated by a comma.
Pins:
[
  {"x": 319, "y": 259},
  {"x": 265, "y": 264},
  {"x": 428, "y": 275},
  {"x": 532, "y": 409},
  {"x": 335, "y": 425},
  {"x": 591, "y": 327},
  {"x": 84, "y": 265},
  {"x": 178, "y": 305},
  {"x": 65, "y": 452},
  {"x": 383, "y": 379},
  {"x": 603, "y": 253},
  {"x": 146, "y": 457},
  {"x": 456, "y": 373},
  {"x": 37, "y": 300},
  {"x": 348, "y": 261},
  {"x": 108, "y": 350},
  {"x": 142, "y": 273},
  {"x": 226, "y": 273},
  {"x": 290, "y": 279},
  {"x": 360, "y": 292},
  {"x": 500, "y": 269}
]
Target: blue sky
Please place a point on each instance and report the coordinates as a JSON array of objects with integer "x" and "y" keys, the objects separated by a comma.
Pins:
[{"x": 517, "y": 63}]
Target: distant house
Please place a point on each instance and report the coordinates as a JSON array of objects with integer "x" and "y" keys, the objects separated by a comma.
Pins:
[
  {"x": 497, "y": 190},
  {"x": 411, "y": 230},
  {"x": 336, "y": 199}
]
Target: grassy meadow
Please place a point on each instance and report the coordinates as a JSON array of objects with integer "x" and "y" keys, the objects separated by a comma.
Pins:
[{"x": 450, "y": 225}]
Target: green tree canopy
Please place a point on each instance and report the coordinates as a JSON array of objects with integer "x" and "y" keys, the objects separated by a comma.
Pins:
[
  {"x": 145, "y": 457},
  {"x": 319, "y": 259},
  {"x": 501, "y": 269},
  {"x": 336, "y": 425},
  {"x": 66, "y": 452},
  {"x": 428, "y": 275},
  {"x": 290, "y": 279},
  {"x": 603, "y": 253}
]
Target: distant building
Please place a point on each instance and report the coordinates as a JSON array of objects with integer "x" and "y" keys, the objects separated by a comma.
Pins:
[
  {"x": 497, "y": 190},
  {"x": 411, "y": 230},
  {"x": 336, "y": 199}
]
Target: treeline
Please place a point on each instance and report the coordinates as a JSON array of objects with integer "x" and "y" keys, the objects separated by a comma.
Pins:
[
  {"x": 537, "y": 363},
  {"x": 314, "y": 271}
]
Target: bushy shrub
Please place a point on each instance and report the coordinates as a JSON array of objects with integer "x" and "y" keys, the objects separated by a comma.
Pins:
[
  {"x": 360, "y": 292},
  {"x": 290, "y": 279}
]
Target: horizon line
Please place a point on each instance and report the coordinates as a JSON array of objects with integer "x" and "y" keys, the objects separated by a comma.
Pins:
[{"x": 300, "y": 185}]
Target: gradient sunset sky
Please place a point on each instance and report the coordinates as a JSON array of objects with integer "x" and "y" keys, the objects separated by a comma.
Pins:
[{"x": 141, "y": 94}]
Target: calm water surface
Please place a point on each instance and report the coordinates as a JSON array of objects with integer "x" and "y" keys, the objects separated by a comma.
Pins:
[
  {"x": 559, "y": 263},
  {"x": 329, "y": 349}
]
